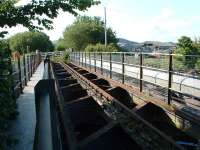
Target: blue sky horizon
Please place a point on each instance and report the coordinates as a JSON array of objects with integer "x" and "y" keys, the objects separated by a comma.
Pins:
[{"x": 138, "y": 20}]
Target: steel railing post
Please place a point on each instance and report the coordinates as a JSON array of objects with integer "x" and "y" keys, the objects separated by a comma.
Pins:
[
  {"x": 123, "y": 68},
  {"x": 170, "y": 72},
  {"x": 20, "y": 75},
  {"x": 85, "y": 60},
  {"x": 141, "y": 72},
  {"x": 111, "y": 65},
  {"x": 90, "y": 61},
  {"x": 79, "y": 61},
  {"x": 31, "y": 67},
  {"x": 101, "y": 54},
  {"x": 95, "y": 62},
  {"x": 27, "y": 60},
  {"x": 24, "y": 63},
  {"x": 82, "y": 58}
]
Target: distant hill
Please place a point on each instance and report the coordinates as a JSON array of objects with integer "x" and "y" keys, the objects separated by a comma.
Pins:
[{"x": 128, "y": 45}]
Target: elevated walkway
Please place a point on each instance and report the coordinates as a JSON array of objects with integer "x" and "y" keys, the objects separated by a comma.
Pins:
[{"x": 23, "y": 127}]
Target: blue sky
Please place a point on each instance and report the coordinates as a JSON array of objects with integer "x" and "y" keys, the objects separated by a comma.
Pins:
[{"x": 140, "y": 20}]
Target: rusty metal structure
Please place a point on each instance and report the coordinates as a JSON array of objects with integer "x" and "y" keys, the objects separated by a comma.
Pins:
[{"x": 94, "y": 112}]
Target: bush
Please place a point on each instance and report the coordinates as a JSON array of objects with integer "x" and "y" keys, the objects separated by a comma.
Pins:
[
  {"x": 66, "y": 57},
  {"x": 7, "y": 100},
  {"x": 101, "y": 48}
]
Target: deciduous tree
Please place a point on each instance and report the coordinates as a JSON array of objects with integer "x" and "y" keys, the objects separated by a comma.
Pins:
[
  {"x": 38, "y": 13},
  {"x": 87, "y": 30},
  {"x": 34, "y": 40}
]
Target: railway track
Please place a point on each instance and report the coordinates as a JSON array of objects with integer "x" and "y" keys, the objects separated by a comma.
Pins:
[{"x": 93, "y": 114}]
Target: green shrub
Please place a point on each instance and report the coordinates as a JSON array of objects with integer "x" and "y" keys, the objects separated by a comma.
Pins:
[
  {"x": 66, "y": 57},
  {"x": 7, "y": 100}
]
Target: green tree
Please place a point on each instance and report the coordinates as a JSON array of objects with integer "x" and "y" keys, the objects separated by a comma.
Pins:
[
  {"x": 35, "y": 15},
  {"x": 7, "y": 101},
  {"x": 186, "y": 47},
  {"x": 34, "y": 41},
  {"x": 87, "y": 30},
  {"x": 60, "y": 45},
  {"x": 38, "y": 13}
]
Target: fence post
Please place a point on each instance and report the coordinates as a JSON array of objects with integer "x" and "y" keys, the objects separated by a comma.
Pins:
[
  {"x": 31, "y": 64},
  {"x": 27, "y": 60},
  {"x": 85, "y": 60},
  {"x": 141, "y": 72},
  {"x": 170, "y": 78},
  {"x": 73, "y": 57},
  {"x": 34, "y": 63},
  {"x": 82, "y": 58},
  {"x": 123, "y": 68},
  {"x": 95, "y": 62},
  {"x": 90, "y": 61},
  {"x": 20, "y": 75},
  {"x": 111, "y": 65},
  {"x": 79, "y": 57},
  {"x": 101, "y": 63},
  {"x": 24, "y": 63}
]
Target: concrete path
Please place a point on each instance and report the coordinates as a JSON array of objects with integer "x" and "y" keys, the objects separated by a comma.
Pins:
[{"x": 23, "y": 127}]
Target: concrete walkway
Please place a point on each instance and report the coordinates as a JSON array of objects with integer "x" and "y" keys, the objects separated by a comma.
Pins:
[{"x": 23, "y": 127}]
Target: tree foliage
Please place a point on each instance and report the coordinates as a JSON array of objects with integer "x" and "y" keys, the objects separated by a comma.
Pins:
[
  {"x": 101, "y": 48},
  {"x": 187, "y": 48},
  {"x": 60, "y": 45},
  {"x": 34, "y": 41},
  {"x": 87, "y": 30},
  {"x": 38, "y": 13},
  {"x": 7, "y": 101}
]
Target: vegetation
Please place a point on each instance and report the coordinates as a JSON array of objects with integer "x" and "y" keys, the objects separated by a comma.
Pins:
[
  {"x": 60, "y": 45},
  {"x": 34, "y": 40},
  {"x": 101, "y": 48},
  {"x": 35, "y": 15},
  {"x": 38, "y": 14},
  {"x": 7, "y": 100},
  {"x": 86, "y": 30},
  {"x": 186, "y": 47}
]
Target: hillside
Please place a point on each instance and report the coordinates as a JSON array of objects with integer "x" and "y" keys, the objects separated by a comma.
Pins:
[{"x": 128, "y": 45}]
